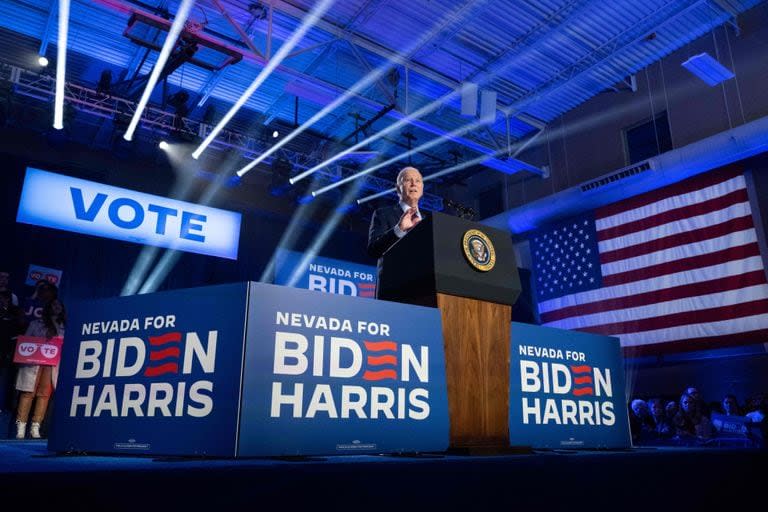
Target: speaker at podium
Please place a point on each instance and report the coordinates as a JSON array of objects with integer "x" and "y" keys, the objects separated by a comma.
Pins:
[{"x": 469, "y": 272}]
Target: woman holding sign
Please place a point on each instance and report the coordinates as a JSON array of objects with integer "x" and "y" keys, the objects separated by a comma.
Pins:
[{"x": 38, "y": 381}]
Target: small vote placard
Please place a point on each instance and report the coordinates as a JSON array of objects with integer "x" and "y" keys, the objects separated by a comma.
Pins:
[{"x": 38, "y": 350}]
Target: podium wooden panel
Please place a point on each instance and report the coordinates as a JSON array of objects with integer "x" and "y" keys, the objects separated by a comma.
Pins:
[
  {"x": 428, "y": 267},
  {"x": 476, "y": 338}
]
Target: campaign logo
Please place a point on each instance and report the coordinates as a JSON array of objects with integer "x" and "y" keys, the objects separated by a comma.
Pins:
[
  {"x": 346, "y": 374},
  {"x": 121, "y": 371},
  {"x": 566, "y": 390}
]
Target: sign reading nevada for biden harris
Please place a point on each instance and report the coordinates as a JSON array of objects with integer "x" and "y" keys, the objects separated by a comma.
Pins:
[
  {"x": 153, "y": 374},
  {"x": 566, "y": 389},
  {"x": 329, "y": 374},
  {"x": 324, "y": 274},
  {"x": 61, "y": 202}
]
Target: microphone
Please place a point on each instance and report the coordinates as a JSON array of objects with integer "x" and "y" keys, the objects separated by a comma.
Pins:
[{"x": 465, "y": 212}]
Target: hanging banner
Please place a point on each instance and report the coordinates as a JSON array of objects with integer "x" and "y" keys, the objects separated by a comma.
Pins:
[{"x": 62, "y": 202}]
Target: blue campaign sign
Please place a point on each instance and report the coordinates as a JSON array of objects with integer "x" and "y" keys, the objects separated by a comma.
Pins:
[
  {"x": 324, "y": 274},
  {"x": 340, "y": 375},
  {"x": 566, "y": 389},
  {"x": 71, "y": 204},
  {"x": 152, "y": 374}
]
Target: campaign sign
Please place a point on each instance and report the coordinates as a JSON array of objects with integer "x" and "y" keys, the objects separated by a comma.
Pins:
[
  {"x": 339, "y": 375},
  {"x": 36, "y": 273},
  {"x": 730, "y": 425},
  {"x": 566, "y": 389},
  {"x": 324, "y": 274},
  {"x": 153, "y": 374},
  {"x": 62, "y": 202},
  {"x": 38, "y": 350}
]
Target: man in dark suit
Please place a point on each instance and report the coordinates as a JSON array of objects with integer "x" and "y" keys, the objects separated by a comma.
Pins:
[{"x": 390, "y": 223}]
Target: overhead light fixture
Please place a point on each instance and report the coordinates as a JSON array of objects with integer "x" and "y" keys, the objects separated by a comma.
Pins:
[
  {"x": 308, "y": 22},
  {"x": 42, "y": 60},
  {"x": 170, "y": 41},
  {"x": 275, "y": 134},
  {"x": 61, "y": 65},
  {"x": 163, "y": 145},
  {"x": 708, "y": 69}
]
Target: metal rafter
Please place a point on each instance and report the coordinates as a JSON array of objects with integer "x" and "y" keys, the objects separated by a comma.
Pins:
[
  {"x": 42, "y": 87},
  {"x": 602, "y": 54},
  {"x": 508, "y": 167}
]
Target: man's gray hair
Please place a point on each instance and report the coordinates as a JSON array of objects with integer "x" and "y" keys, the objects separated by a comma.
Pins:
[{"x": 402, "y": 172}]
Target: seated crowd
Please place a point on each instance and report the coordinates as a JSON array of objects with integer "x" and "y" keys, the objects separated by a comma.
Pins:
[{"x": 689, "y": 421}]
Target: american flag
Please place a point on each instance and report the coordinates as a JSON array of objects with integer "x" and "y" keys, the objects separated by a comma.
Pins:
[{"x": 674, "y": 269}]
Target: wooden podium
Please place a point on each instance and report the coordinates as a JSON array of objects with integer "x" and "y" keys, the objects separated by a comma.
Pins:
[{"x": 433, "y": 266}]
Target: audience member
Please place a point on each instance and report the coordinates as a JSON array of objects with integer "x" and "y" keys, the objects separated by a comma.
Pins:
[
  {"x": 640, "y": 422},
  {"x": 44, "y": 293},
  {"x": 662, "y": 426},
  {"x": 11, "y": 325},
  {"x": 730, "y": 406},
  {"x": 700, "y": 403},
  {"x": 5, "y": 278},
  {"x": 35, "y": 382},
  {"x": 757, "y": 408},
  {"x": 690, "y": 423},
  {"x": 671, "y": 410}
]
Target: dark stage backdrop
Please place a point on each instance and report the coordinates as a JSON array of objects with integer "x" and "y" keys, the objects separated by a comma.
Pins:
[{"x": 98, "y": 267}]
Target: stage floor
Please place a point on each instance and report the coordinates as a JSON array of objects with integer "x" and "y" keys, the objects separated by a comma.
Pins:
[{"x": 642, "y": 479}]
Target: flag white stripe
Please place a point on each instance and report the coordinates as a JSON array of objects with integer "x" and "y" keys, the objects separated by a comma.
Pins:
[
  {"x": 693, "y": 331},
  {"x": 679, "y": 226},
  {"x": 671, "y": 307},
  {"x": 720, "y": 243},
  {"x": 730, "y": 268},
  {"x": 672, "y": 203}
]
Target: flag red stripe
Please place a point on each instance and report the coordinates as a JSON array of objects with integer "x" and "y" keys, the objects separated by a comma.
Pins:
[
  {"x": 686, "y": 237},
  {"x": 583, "y": 391},
  {"x": 683, "y": 264},
  {"x": 678, "y": 292},
  {"x": 693, "y": 210},
  {"x": 584, "y": 368},
  {"x": 690, "y": 185},
  {"x": 755, "y": 307},
  {"x": 726, "y": 340},
  {"x": 583, "y": 380}
]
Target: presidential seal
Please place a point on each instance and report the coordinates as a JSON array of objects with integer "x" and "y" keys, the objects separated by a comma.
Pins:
[{"x": 479, "y": 250}]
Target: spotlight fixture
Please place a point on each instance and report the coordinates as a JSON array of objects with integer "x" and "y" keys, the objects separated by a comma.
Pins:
[
  {"x": 163, "y": 145},
  {"x": 105, "y": 83},
  {"x": 42, "y": 60},
  {"x": 281, "y": 171},
  {"x": 275, "y": 134}
]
